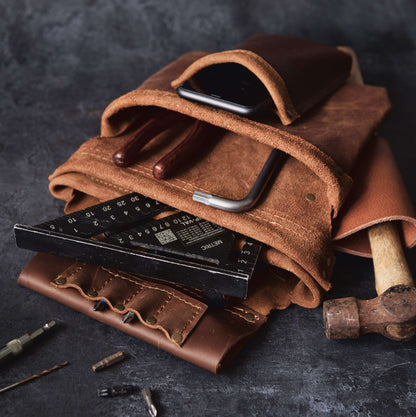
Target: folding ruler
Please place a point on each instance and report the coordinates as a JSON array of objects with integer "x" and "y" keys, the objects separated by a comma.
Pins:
[{"x": 130, "y": 234}]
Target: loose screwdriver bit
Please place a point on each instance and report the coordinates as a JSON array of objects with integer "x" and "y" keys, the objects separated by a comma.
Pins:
[
  {"x": 17, "y": 346},
  {"x": 147, "y": 395},
  {"x": 116, "y": 391},
  {"x": 108, "y": 361}
]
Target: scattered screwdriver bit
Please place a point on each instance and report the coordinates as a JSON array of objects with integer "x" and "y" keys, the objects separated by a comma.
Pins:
[
  {"x": 108, "y": 361},
  {"x": 128, "y": 317},
  {"x": 17, "y": 346},
  {"x": 147, "y": 395},
  {"x": 117, "y": 390},
  {"x": 100, "y": 305},
  {"x": 45, "y": 372}
]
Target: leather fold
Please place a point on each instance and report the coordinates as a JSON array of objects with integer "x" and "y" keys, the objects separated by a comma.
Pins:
[{"x": 378, "y": 195}]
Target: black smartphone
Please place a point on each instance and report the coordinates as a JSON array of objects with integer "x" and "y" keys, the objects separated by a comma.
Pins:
[{"x": 229, "y": 86}]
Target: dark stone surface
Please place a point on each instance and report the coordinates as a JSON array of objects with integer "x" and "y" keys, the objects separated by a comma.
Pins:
[{"x": 61, "y": 63}]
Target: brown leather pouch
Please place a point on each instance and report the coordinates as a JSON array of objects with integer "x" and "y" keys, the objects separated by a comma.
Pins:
[
  {"x": 294, "y": 218},
  {"x": 320, "y": 127},
  {"x": 298, "y": 73}
]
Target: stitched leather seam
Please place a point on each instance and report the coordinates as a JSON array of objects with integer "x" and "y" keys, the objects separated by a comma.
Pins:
[
  {"x": 193, "y": 291},
  {"x": 163, "y": 306},
  {"x": 66, "y": 275},
  {"x": 311, "y": 231},
  {"x": 125, "y": 301},
  {"x": 145, "y": 97},
  {"x": 116, "y": 187},
  {"x": 150, "y": 287},
  {"x": 285, "y": 219},
  {"x": 256, "y": 317},
  {"x": 107, "y": 281},
  {"x": 173, "y": 295},
  {"x": 278, "y": 224},
  {"x": 188, "y": 323}
]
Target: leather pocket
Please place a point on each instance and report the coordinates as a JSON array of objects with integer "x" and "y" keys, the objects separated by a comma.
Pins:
[
  {"x": 297, "y": 73},
  {"x": 156, "y": 306},
  {"x": 326, "y": 139}
]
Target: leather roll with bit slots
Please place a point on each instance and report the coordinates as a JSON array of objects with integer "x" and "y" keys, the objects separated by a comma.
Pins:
[
  {"x": 166, "y": 317},
  {"x": 322, "y": 119}
]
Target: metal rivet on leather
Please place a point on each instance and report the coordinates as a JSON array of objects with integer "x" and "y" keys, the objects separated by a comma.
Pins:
[
  {"x": 176, "y": 337},
  {"x": 119, "y": 307},
  {"x": 60, "y": 280},
  {"x": 249, "y": 317},
  {"x": 150, "y": 320},
  {"x": 92, "y": 293},
  {"x": 310, "y": 197}
]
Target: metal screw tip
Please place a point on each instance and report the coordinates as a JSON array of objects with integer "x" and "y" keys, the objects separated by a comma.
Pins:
[{"x": 49, "y": 325}]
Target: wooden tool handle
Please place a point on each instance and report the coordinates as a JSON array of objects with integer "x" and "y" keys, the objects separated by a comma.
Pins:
[
  {"x": 390, "y": 265},
  {"x": 201, "y": 137},
  {"x": 155, "y": 125},
  {"x": 185, "y": 150}
]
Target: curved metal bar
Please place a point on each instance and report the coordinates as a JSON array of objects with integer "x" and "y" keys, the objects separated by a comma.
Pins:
[{"x": 275, "y": 160}]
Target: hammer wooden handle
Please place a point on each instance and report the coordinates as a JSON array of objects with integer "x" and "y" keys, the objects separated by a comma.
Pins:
[
  {"x": 390, "y": 265},
  {"x": 393, "y": 312}
]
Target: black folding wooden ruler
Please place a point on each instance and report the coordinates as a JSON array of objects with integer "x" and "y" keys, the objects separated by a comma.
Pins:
[{"x": 130, "y": 234}]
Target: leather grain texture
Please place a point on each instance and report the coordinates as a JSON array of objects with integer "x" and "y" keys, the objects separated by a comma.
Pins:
[{"x": 322, "y": 147}]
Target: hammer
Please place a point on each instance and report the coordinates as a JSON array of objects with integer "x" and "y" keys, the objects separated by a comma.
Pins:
[{"x": 393, "y": 312}]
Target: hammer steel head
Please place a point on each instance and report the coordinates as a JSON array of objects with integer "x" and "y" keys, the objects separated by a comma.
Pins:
[{"x": 393, "y": 314}]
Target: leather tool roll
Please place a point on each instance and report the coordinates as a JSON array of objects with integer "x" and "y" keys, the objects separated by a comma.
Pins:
[{"x": 322, "y": 120}]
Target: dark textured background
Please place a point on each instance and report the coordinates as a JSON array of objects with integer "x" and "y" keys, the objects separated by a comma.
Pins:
[{"x": 61, "y": 63}]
